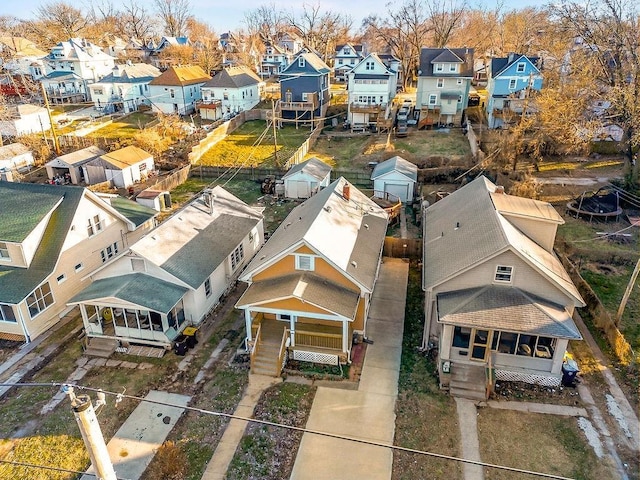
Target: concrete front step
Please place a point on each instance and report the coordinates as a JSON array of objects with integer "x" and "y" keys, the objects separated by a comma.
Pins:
[
  {"x": 475, "y": 386},
  {"x": 101, "y": 347},
  {"x": 467, "y": 393}
]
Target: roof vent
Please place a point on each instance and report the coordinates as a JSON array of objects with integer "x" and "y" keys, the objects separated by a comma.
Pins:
[
  {"x": 326, "y": 209},
  {"x": 366, "y": 225},
  {"x": 457, "y": 226},
  {"x": 355, "y": 265},
  {"x": 499, "y": 189}
]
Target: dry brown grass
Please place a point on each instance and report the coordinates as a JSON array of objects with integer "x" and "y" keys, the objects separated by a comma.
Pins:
[{"x": 543, "y": 443}]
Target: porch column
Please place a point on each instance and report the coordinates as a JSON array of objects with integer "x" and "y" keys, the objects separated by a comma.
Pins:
[
  {"x": 345, "y": 335},
  {"x": 292, "y": 327},
  {"x": 247, "y": 323}
]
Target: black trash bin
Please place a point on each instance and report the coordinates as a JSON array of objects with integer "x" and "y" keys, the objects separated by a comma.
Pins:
[
  {"x": 569, "y": 371},
  {"x": 180, "y": 346}
]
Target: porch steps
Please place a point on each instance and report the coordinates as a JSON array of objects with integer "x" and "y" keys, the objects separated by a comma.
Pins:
[
  {"x": 468, "y": 381},
  {"x": 265, "y": 361},
  {"x": 101, "y": 347}
]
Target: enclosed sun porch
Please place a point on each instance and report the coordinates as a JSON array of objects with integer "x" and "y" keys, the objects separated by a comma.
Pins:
[{"x": 133, "y": 308}]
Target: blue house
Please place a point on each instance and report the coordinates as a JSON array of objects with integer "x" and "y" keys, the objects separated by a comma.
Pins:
[
  {"x": 510, "y": 82},
  {"x": 304, "y": 89}
]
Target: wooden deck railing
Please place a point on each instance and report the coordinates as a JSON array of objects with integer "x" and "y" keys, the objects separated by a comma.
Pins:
[
  {"x": 283, "y": 349},
  {"x": 331, "y": 341},
  {"x": 256, "y": 342}
]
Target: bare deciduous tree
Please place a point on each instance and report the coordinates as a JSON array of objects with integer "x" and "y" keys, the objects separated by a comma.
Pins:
[
  {"x": 174, "y": 15},
  {"x": 137, "y": 21},
  {"x": 62, "y": 20},
  {"x": 266, "y": 22}
]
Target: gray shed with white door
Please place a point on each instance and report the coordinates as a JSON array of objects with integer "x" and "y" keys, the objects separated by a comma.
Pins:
[
  {"x": 395, "y": 177},
  {"x": 306, "y": 179}
]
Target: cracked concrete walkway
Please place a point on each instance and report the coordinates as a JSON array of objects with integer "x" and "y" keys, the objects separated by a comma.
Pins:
[{"x": 470, "y": 445}]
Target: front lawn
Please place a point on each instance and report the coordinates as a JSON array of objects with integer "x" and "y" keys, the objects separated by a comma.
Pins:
[{"x": 253, "y": 145}]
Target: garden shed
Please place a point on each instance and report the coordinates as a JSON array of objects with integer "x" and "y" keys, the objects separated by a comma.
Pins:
[
  {"x": 123, "y": 167},
  {"x": 396, "y": 177},
  {"x": 69, "y": 167},
  {"x": 306, "y": 179}
]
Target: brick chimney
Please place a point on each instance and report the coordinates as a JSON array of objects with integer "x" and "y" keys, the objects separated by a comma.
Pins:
[{"x": 346, "y": 192}]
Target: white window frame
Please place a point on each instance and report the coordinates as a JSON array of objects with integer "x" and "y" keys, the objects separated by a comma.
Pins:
[
  {"x": 79, "y": 267},
  {"x": 237, "y": 256},
  {"x": 61, "y": 278},
  {"x": 109, "y": 252},
  {"x": 285, "y": 317},
  {"x": 301, "y": 258},
  {"x": 440, "y": 83},
  {"x": 513, "y": 83},
  {"x": 40, "y": 300},
  {"x": 453, "y": 67},
  {"x": 433, "y": 99},
  {"x": 438, "y": 67},
  {"x": 504, "y": 274},
  {"x": 4, "y": 317},
  {"x": 4, "y": 251},
  {"x": 301, "y": 62},
  {"x": 521, "y": 67},
  {"x": 459, "y": 81},
  {"x": 94, "y": 225}
]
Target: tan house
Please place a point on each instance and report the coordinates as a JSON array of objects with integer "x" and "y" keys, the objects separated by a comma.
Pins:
[
  {"x": 51, "y": 238},
  {"x": 499, "y": 303},
  {"x": 310, "y": 286}
]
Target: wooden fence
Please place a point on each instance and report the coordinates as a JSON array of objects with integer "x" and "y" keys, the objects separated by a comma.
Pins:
[
  {"x": 410, "y": 248},
  {"x": 238, "y": 174},
  {"x": 171, "y": 181},
  {"x": 308, "y": 144},
  {"x": 601, "y": 318},
  {"x": 474, "y": 143}
]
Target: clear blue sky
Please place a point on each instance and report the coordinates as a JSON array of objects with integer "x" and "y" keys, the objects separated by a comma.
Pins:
[{"x": 228, "y": 15}]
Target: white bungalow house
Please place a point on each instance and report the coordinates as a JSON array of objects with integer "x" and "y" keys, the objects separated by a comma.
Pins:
[
  {"x": 14, "y": 156},
  {"x": 51, "y": 238},
  {"x": 372, "y": 87},
  {"x": 124, "y": 89},
  {"x": 306, "y": 179},
  {"x": 395, "y": 177},
  {"x": 122, "y": 167},
  {"x": 499, "y": 303},
  {"x": 23, "y": 120},
  {"x": 175, "y": 275},
  {"x": 233, "y": 90},
  {"x": 70, "y": 164},
  {"x": 177, "y": 90}
]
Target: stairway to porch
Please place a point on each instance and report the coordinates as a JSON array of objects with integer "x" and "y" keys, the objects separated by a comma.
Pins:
[
  {"x": 468, "y": 381},
  {"x": 101, "y": 347},
  {"x": 266, "y": 357}
]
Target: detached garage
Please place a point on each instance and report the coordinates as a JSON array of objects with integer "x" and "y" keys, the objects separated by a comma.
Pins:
[
  {"x": 395, "y": 177},
  {"x": 306, "y": 179},
  {"x": 122, "y": 167}
]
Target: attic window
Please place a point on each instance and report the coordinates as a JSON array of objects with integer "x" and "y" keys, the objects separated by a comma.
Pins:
[
  {"x": 4, "y": 251},
  {"x": 503, "y": 274},
  {"x": 301, "y": 62},
  {"x": 305, "y": 262},
  {"x": 520, "y": 68}
]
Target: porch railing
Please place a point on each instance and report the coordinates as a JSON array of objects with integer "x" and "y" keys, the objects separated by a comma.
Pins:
[
  {"x": 283, "y": 349},
  {"x": 254, "y": 347},
  {"x": 331, "y": 341}
]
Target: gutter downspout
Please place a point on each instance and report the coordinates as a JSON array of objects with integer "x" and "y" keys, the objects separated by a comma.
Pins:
[{"x": 23, "y": 325}]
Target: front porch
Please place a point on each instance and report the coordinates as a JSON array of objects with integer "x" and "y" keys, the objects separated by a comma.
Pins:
[{"x": 272, "y": 342}]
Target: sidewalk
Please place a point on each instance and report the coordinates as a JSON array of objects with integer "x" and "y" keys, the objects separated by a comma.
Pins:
[{"x": 369, "y": 412}]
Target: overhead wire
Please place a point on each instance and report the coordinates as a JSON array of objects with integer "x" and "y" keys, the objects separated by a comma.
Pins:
[
  {"x": 121, "y": 396},
  {"x": 48, "y": 467}
]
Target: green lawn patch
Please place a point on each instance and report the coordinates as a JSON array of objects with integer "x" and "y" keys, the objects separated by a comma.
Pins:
[
  {"x": 248, "y": 147},
  {"x": 338, "y": 151}
]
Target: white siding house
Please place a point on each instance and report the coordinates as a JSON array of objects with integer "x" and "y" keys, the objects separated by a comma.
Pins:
[
  {"x": 124, "y": 89},
  {"x": 234, "y": 89},
  {"x": 175, "y": 275},
  {"x": 14, "y": 156},
  {"x": 306, "y": 179},
  {"x": 23, "y": 120},
  {"x": 395, "y": 177},
  {"x": 122, "y": 167}
]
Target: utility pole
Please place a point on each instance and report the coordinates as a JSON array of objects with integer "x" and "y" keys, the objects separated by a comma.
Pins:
[
  {"x": 56, "y": 145},
  {"x": 273, "y": 122},
  {"x": 91, "y": 434}
]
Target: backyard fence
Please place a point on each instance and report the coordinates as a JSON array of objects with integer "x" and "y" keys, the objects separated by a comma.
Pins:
[
  {"x": 358, "y": 178},
  {"x": 253, "y": 174},
  {"x": 171, "y": 181},
  {"x": 474, "y": 144},
  {"x": 308, "y": 144},
  {"x": 601, "y": 318},
  {"x": 410, "y": 248}
]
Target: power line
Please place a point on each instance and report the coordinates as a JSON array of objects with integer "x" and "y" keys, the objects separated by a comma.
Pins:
[{"x": 121, "y": 396}]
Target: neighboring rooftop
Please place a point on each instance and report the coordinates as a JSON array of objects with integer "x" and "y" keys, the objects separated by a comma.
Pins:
[
  {"x": 397, "y": 164},
  {"x": 13, "y": 150},
  {"x": 125, "y": 157},
  {"x": 76, "y": 158},
  {"x": 181, "y": 76},
  {"x": 234, "y": 77},
  {"x": 313, "y": 166}
]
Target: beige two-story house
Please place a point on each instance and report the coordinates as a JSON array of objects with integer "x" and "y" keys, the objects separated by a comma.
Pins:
[{"x": 51, "y": 238}]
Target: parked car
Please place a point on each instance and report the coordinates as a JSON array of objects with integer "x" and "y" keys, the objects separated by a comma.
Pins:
[
  {"x": 403, "y": 115},
  {"x": 402, "y": 130}
]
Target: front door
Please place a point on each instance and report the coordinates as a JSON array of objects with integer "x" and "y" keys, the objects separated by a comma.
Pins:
[{"x": 480, "y": 345}]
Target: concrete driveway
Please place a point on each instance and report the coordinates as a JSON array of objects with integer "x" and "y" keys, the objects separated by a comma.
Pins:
[{"x": 369, "y": 412}]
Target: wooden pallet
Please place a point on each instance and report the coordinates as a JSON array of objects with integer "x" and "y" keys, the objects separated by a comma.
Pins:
[{"x": 144, "y": 351}]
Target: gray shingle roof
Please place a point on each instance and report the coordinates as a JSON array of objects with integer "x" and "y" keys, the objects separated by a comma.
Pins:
[
  {"x": 482, "y": 233},
  {"x": 24, "y": 205},
  {"x": 133, "y": 211},
  {"x": 77, "y": 158},
  {"x": 397, "y": 164},
  {"x": 350, "y": 234},
  {"x": 446, "y": 55},
  {"x": 314, "y": 167},
  {"x": 307, "y": 287},
  {"x": 193, "y": 242},
  {"x": 506, "y": 309},
  {"x": 12, "y": 150},
  {"x": 234, "y": 77},
  {"x": 136, "y": 288}
]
